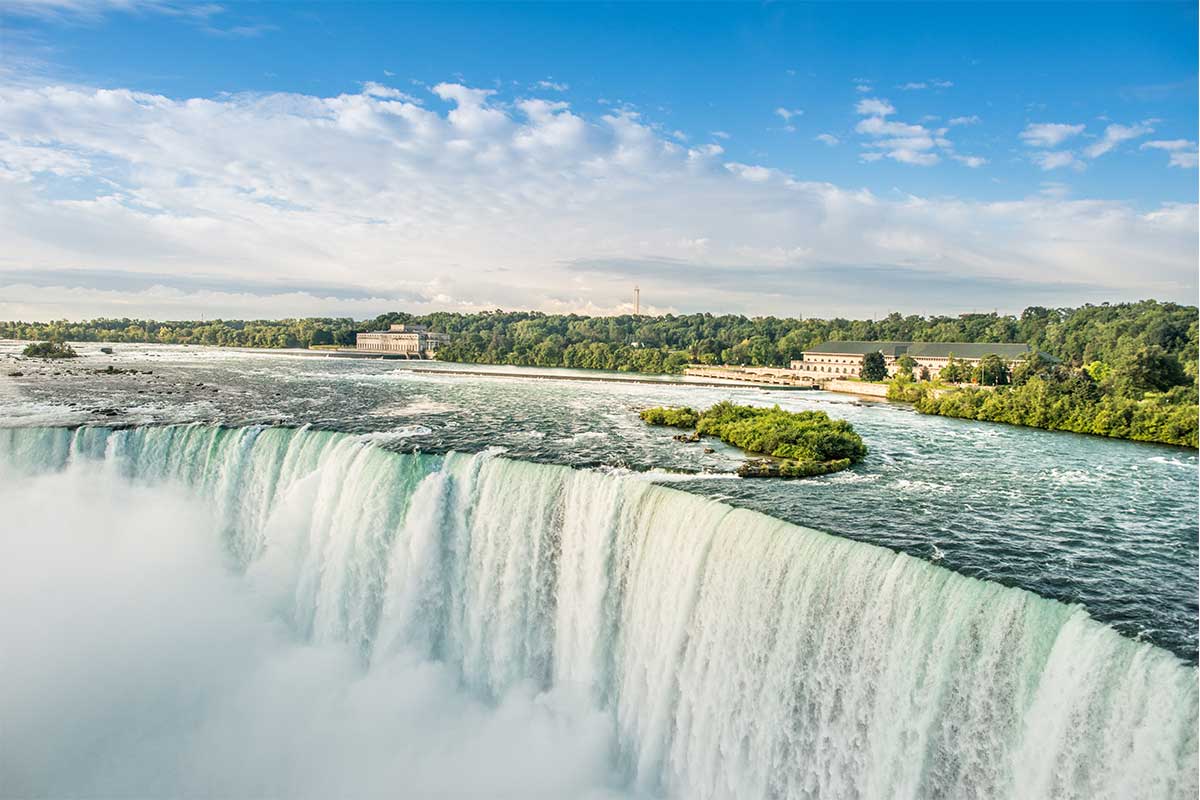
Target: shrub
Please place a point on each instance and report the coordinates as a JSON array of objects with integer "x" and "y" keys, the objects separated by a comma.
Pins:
[
  {"x": 675, "y": 417},
  {"x": 49, "y": 350}
]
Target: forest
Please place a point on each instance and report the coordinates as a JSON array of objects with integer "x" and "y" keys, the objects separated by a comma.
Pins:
[
  {"x": 1076, "y": 336},
  {"x": 1122, "y": 369}
]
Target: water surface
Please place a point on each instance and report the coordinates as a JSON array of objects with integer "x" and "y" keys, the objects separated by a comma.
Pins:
[{"x": 1104, "y": 523}]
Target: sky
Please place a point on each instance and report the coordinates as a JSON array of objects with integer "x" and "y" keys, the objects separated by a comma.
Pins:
[{"x": 183, "y": 160}]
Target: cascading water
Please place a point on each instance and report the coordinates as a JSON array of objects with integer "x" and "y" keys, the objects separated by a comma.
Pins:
[{"x": 735, "y": 655}]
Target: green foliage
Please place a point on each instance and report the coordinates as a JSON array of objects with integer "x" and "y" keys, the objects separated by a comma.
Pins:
[
  {"x": 906, "y": 364},
  {"x": 1067, "y": 400},
  {"x": 810, "y": 469},
  {"x": 903, "y": 387},
  {"x": 675, "y": 417},
  {"x": 1106, "y": 333},
  {"x": 954, "y": 371},
  {"x": 991, "y": 371},
  {"x": 1143, "y": 394},
  {"x": 49, "y": 350},
  {"x": 874, "y": 367},
  {"x": 799, "y": 436}
]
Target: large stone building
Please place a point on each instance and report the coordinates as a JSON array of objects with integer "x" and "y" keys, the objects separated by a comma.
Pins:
[
  {"x": 411, "y": 341},
  {"x": 845, "y": 359}
]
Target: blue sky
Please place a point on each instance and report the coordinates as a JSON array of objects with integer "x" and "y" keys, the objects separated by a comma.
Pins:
[{"x": 954, "y": 131}]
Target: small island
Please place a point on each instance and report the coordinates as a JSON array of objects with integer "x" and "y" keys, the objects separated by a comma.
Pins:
[
  {"x": 790, "y": 444},
  {"x": 49, "y": 350}
]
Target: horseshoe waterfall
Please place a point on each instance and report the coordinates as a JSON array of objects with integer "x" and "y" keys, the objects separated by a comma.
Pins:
[{"x": 712, "y": 652}]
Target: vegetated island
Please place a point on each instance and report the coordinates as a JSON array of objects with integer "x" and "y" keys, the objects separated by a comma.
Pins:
[
  {"x": 49, "y": 350},
  {"x": 796, "y": 444}
]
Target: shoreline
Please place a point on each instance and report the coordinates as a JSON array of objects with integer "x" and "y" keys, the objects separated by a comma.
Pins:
[{"x": 645, "y": 379}]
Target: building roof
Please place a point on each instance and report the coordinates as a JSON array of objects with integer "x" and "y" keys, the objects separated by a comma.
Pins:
[
  {"x": 924, "y": 349},
  {"x": 860, "y": 348}
]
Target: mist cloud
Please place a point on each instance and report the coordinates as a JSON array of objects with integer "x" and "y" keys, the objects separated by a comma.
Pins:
[{"x": 138, "y": 663}]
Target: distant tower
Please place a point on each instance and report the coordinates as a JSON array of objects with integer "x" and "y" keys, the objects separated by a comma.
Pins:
[{"x": 637, "y": 301}]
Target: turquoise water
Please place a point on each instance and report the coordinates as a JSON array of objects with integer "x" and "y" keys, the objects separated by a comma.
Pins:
[
  {"x": 1107, "y": 524},
  {"x": 703, "y": 651}
]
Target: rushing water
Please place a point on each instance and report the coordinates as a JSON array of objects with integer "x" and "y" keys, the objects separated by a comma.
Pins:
[
  {"x": 730, "y": 654},
  {"x": 1107, "y": 524}
]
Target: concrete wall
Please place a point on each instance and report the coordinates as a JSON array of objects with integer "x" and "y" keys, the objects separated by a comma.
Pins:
[
  {"x": 773, "y": 376},
  {"x": 857, "y": 387}
]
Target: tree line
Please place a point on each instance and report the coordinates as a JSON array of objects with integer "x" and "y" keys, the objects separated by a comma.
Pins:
[
  {"x": 1077, "y": 336},
  {"x": 1123, "y": 369},
  {"x": 1142, "y": 393}
]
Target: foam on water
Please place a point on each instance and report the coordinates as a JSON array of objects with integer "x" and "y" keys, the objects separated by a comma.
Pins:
[{"x": 734, "y": 655}]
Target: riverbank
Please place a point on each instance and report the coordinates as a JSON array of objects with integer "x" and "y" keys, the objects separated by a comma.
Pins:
[
  {"x": 646, "y": 379},
  {"x": 980, "y": 499}
]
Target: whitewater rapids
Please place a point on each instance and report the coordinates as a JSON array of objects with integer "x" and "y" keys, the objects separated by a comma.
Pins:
[{"x": 721, "y": 653}]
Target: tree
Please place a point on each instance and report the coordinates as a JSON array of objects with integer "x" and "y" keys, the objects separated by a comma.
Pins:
[
  {"x": 924, "y": 373},
  {"x": 992, "y": 371},
  {"x": 1146, "y": 369},
  {"x": 906, "y": 364},
  {"x": 874, "y": 367},
  {"x": 954, "y": 371}
]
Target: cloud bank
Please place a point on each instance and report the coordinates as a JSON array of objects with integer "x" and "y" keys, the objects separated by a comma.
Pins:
[{"x": 456, "y": 200}]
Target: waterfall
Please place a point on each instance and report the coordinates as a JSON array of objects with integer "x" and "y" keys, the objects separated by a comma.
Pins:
[{"x": 737, "y": 656}]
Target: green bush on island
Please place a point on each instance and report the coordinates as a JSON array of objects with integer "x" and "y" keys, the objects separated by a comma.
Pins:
[
  {"x": 807, "y": 443},
  {"x": 49, "y": 350},
  {"x": 674, "y": 417}
]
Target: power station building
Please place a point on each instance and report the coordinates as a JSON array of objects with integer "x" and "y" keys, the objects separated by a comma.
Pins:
[
  {"x": 845, "y": 359},
  {"x": 410, "y": 341}
]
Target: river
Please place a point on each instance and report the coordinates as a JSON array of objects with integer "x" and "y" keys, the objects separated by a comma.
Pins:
[{"x": 549, "y": 554}]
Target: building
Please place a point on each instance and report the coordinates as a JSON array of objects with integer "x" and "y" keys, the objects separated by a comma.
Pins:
[
  {"x": 845, "y": 359},
  {"x": 410, "y": 341}
]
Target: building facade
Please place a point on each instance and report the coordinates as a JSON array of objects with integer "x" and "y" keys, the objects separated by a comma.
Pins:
[
  {"x": 411, "y": 341},
  {"x": 830, "y": 360}
]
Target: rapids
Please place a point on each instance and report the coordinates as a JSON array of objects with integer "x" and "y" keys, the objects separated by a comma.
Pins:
[{"x": 731, "y": 654}]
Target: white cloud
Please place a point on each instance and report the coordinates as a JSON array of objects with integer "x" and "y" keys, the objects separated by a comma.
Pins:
[
  {"x": 827, "y": 138},
  {"x": 971, "y": 120},
  {"x": 877, "y": 126},
  {"x": 552, "y": 86},
  {"x": 913, "y": 155},
  {"x": 373, "y": 89},
  {"x": 973, "y": 162},
  {"x": 394, "y": 204},
  {"x": 873, "y": 106},
  {"x": 720, "y": 135},
  {"x": 1055, "y": 189},
  {"x": 1182, "y": 151},
  {"x": 900, "y": 141},
  {"x": 931, "y": 84},
  {"x": 863, "y": 88},
  {"x": 1057, "y": 159},
  {"x": 787, "y": 113},
  {"x": 1049, "y": 134},
  {"x": 92, "y": 9},
  {"x": 1114, "y": 135}
]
